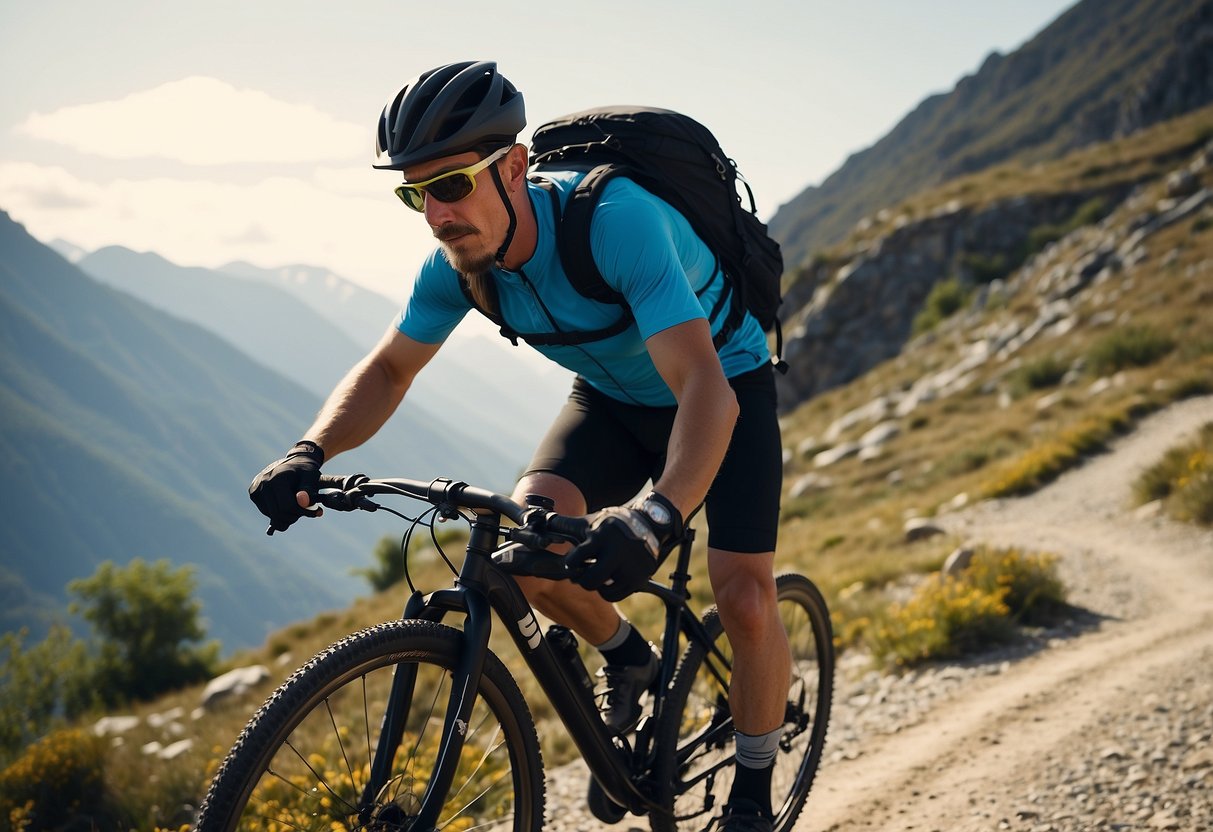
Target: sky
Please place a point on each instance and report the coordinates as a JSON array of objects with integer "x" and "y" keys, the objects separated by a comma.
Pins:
[{"x": 243, "y": 129}]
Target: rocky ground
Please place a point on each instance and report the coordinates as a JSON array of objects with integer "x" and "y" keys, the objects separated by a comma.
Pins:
[{"x": 1105, "y": 723}]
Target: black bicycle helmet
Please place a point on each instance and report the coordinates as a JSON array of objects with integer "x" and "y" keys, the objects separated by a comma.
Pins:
[{"x": 452, "y": 109}]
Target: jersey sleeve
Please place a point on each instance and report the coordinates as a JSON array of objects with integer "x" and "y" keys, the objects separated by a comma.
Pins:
[
  {"x": 636, "y": 249},
  {"x": 436, "y": 305}
]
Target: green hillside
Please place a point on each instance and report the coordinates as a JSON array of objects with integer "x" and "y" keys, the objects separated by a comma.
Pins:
[{"x": 129, "y": 433}]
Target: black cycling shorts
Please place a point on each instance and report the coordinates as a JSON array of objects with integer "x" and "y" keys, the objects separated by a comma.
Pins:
[{"x": 610, "y": 450}]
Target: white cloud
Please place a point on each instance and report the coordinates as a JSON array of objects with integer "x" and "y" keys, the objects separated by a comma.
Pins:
[
  {"x": 201, "y": 121},
  {"x": 363, "y": 234}
]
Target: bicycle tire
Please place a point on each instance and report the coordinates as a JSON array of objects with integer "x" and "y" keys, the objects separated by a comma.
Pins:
[
  {"x": 694, "y": 779},
  {"x": 278, "y": 771}
]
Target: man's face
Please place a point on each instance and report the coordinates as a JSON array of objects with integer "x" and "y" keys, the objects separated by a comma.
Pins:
[{"x": 470, "y": 230}]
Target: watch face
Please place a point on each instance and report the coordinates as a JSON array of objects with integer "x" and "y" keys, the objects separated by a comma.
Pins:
[{"x": 659, "y": 513}]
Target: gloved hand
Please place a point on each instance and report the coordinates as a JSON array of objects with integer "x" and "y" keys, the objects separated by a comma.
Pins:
[
  {"x": 274, "y": 490},
  {"x": 620, "y": 552}
]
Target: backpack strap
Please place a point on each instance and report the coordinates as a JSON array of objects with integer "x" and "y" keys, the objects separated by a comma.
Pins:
[
  {"x": 573, "y": 244},
  {"x": 573, "y": 237},
  {"x": 494, "y": 312},
  {"x": 559, "y": 337}
]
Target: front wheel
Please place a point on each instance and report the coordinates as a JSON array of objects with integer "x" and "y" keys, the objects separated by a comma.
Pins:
[
  {"x": 304, "y": 761},
  {"x": 694, "y": 779}
]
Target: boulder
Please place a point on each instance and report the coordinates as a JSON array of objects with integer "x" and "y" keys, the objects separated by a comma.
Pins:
[
  {"x": 921, "y": 528},
  {"x": 233, "y": 683},
  {"x": 114, "y": 725}
]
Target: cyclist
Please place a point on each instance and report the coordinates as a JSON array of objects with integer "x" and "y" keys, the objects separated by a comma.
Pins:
[{"x": 657, "y": 402}]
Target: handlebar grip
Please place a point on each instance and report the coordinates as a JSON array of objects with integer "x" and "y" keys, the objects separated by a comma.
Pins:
[
  {"x": 574, "y": 527},
  {"x": 342, "y": 482},
  {"x": 335, "y": 494}
]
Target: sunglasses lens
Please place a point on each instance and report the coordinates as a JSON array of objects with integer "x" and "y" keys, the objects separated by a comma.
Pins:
[
  {"x": 451, "y": 188},
  {"x": 412, "y": 197}
]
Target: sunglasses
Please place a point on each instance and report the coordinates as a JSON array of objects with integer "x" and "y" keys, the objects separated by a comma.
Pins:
[{"x": 451, "y": 186}]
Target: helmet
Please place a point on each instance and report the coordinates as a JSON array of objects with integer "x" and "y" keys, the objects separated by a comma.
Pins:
[{"x": 452, "y": 109}]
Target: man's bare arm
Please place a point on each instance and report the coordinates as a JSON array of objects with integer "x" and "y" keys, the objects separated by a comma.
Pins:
[
  {"x": 707, "y": 411},
  {"x": 370, "y": 393}
]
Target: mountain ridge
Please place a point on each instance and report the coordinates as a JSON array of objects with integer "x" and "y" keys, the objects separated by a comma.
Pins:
[
  {"x": 134, "y": 433},
  {"x": 1102, "y": 69}
]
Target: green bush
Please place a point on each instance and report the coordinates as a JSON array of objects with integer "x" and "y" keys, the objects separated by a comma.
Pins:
[
  {"x": 1039, "y": 374},
  {"x": 1089, "y": 213},
  {"x": 946, "y": 298},
  {"x": 986, "y": 268},
  {"x": 147, "y": 624},
  {"x": 41, "y": 686},
  {"x": 1131, "y": 346}
]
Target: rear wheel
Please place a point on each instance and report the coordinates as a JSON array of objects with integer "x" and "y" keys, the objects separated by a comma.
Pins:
[
  {"x": 697, "y": 725},
  {"x": 304, "y": 760}
]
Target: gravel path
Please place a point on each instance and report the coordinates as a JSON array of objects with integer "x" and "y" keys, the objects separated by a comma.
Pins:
[{"x": 1103, "y": 724}]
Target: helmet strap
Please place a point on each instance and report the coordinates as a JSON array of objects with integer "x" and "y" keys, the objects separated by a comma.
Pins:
[{"x": 509, "y": 209}]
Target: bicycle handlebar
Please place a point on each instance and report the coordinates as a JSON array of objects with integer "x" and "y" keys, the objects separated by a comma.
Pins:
[{"x": 352, "y": 492}]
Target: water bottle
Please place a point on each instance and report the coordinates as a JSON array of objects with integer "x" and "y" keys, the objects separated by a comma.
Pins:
[{"x": 564, "y": 643}]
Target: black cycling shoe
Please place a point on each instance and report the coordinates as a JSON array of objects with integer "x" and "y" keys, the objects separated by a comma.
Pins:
[
  {"x": 743, "y": 815},
  {"x": 625, "y": 684}
]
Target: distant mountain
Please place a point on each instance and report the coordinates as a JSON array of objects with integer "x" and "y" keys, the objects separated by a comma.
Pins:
[
  {"x": 469, "y": 378},
  {"x": 361, "y": 314},
  {"x": 311, "y": 325},
  {"x": 271, "y": 326},
  {"x": 71, "y": 252},
  {"x": 126, "y": 432},
  {"x": 1102, "y": 70}
]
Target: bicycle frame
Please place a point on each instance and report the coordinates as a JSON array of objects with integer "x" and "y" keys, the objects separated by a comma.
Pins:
[{"x": 485, "y": 586}]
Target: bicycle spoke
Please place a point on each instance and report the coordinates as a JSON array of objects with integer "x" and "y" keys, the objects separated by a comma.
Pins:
[
  {"x": 320, "y": 780},
  {"x": 337, "y": 733}
]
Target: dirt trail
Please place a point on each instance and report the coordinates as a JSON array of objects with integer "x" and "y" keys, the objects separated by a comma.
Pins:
[{"x": 976, "y": 760}]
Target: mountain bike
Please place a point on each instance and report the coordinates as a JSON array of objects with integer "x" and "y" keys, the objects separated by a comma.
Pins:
[{"x": 416, "y": 724}]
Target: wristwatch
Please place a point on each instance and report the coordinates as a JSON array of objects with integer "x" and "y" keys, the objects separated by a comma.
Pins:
[{"x": 662, "y": 512}]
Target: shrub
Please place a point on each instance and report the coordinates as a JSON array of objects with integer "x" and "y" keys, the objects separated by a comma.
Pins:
[
  {"x": 1034, "y": 593},
  {"x": 950, "y": 616},
  {"x": 1183, "y": 478},
  {"x": 40, "y": 686},
  {"x": 1089, "y": 213},
  {"x": 946, "y": 298},
  {"x": 147, "y": 621},
  {"x": 944, "y": 619},
  {"x": 58, "y": 779},
  {"x": 986, "y": 268},
  {"x": 1131, "y": 346},
  {"x": 1041, "y": 373}
]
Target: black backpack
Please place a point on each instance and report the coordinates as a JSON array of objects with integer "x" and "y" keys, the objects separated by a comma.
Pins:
[{"x": 677, "y": 159}]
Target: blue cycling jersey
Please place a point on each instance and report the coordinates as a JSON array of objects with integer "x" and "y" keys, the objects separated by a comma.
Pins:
[{"x": 644, "y": 249}]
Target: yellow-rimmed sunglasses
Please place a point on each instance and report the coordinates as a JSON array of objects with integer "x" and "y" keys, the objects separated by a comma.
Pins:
[{"x": 451, "y": 186}]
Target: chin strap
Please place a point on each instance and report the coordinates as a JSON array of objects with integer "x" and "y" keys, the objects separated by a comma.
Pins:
[{"x": 509, "y": 209}]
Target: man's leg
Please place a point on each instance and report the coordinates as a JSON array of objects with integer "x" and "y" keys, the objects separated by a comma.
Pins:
[
  {"x": 744, "y": 586},
  {"x": 631, "y": 665},
  {"x": 586, "y": 613}
]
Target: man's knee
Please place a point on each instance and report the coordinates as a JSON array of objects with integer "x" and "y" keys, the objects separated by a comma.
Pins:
[
  {"x": 744, "y": 587},
  {"x": 540, "y": 592},
  {"x": 567, "y": 496}
]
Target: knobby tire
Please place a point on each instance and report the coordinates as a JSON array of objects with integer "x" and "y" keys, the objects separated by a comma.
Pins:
[
  {"x": 303, "y": 760},
  {"x": 695, "y": 778}
]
